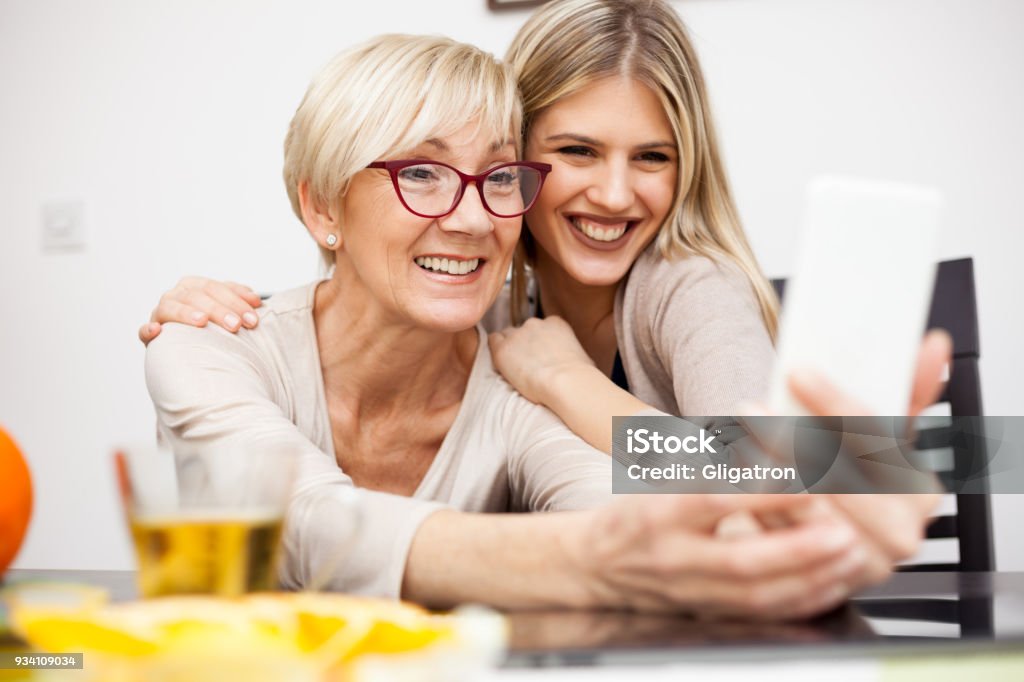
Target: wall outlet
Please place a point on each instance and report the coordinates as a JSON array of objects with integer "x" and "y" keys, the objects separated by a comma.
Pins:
[{"x": 63, "y": 226}]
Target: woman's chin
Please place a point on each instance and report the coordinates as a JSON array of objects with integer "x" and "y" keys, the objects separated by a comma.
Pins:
[
  {"x": 448, "y": 317},
  {"x": 599, "y": 274}
]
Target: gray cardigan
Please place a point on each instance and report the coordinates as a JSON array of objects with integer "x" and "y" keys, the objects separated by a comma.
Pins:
[{"x": 691, "y": 335}]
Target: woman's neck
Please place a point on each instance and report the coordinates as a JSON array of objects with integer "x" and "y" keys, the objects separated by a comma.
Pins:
[
  {"x": 375, "y": 366},
  {"x": 589, "y": 309}
]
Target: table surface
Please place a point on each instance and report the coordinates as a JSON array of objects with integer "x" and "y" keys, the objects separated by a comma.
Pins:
[{"x": 967, "y": 601}]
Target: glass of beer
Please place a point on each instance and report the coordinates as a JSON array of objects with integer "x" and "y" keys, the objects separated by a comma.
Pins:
[{"x": 206, "y": 522}]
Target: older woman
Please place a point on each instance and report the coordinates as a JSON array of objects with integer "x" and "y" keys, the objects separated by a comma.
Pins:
[{"x": 401, "y": 164}]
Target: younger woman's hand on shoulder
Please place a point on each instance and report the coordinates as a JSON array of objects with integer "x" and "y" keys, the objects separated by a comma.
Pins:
[
  {"x": 198, "y": 300},
  {"x": 531, "y": 356}
]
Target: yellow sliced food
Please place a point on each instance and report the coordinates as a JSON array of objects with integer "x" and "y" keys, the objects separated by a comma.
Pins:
[
  {"x": 66, "y": 634},
  {"x": 320, "y": 632},
  {"x": 392, "y": 638}
]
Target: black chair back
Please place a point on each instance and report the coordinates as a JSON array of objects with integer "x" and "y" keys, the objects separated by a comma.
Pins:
[{"x": 954, "y": 308}]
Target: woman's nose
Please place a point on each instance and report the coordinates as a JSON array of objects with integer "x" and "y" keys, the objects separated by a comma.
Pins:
[
  {"x": 469, "y": 217},
  {"x": 612, "y": 189}
]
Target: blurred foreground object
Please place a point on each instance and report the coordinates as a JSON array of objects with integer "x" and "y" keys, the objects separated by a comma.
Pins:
[
  {"x": 205, "y": 523},
  {"x": 293, "y": 636},
  {"x": 15, "y": 500}
]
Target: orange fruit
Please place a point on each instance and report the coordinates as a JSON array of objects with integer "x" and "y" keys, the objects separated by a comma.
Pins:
[{"x": 15, "y": 499}]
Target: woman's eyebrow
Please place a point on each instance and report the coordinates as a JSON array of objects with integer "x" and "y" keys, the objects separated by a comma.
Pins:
[
  {"x": 655, "y": 145},
  {"x": 573, "y": 137},
  {"x": 496, "y": 146}
]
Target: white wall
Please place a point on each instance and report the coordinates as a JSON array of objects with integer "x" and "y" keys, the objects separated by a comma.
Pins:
[{"x": 166, "y": 120}]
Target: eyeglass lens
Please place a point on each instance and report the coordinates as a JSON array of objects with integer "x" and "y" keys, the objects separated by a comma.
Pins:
[{"x": 432, "y": 189}]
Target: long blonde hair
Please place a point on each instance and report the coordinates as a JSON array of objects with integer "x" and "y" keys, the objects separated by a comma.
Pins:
[{"x": 567, "y": 45}]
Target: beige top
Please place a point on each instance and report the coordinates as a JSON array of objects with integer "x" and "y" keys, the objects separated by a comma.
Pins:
[
  {"x": 264, "y": 388},
  {"x": 689, "y": 332},
  {"x": 691, "y": 335}
]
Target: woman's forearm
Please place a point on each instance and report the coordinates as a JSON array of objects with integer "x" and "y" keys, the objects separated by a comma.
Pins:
[
  {"x": 644, "y": 552},
  {"x": 509, "y": 561},
  {"x": 586, "y": 400}
]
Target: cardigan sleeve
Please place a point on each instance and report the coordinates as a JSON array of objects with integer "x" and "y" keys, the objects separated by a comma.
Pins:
[
  {"x": 708, "y": 335},
  {"x": 550, "y": 467}
]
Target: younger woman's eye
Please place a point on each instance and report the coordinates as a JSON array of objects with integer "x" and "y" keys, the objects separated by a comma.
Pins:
[
  {"x": 654, "y": 157},
  {"x": 576, "y": 150}
]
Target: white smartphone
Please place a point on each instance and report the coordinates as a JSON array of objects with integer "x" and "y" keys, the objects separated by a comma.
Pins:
[{"x": 857, "y": 305}]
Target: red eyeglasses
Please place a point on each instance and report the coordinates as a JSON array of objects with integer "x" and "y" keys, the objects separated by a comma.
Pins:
[{"x": 431, "y": 189}]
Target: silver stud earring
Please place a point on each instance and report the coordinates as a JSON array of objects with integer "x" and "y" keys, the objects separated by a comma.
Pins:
[{"x": 332, "y": 239}]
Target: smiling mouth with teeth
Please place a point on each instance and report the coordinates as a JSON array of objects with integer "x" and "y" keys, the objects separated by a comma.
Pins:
[
  {"x": 608, "y": 233},
  {"x": 448, "y": 266}
]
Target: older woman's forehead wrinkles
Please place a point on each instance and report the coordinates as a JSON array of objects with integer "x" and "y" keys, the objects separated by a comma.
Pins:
[{"x": 440, "y": 146}]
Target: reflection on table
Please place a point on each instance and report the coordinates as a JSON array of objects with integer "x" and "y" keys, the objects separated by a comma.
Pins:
[
  {"x": 899, "y": 616},
  {"x": 894, "y": 618}
]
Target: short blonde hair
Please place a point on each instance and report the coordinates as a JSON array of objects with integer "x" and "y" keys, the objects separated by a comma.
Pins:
[
  {"x": 568, "y": 45},
  {"x": 388, "y": 96}
]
